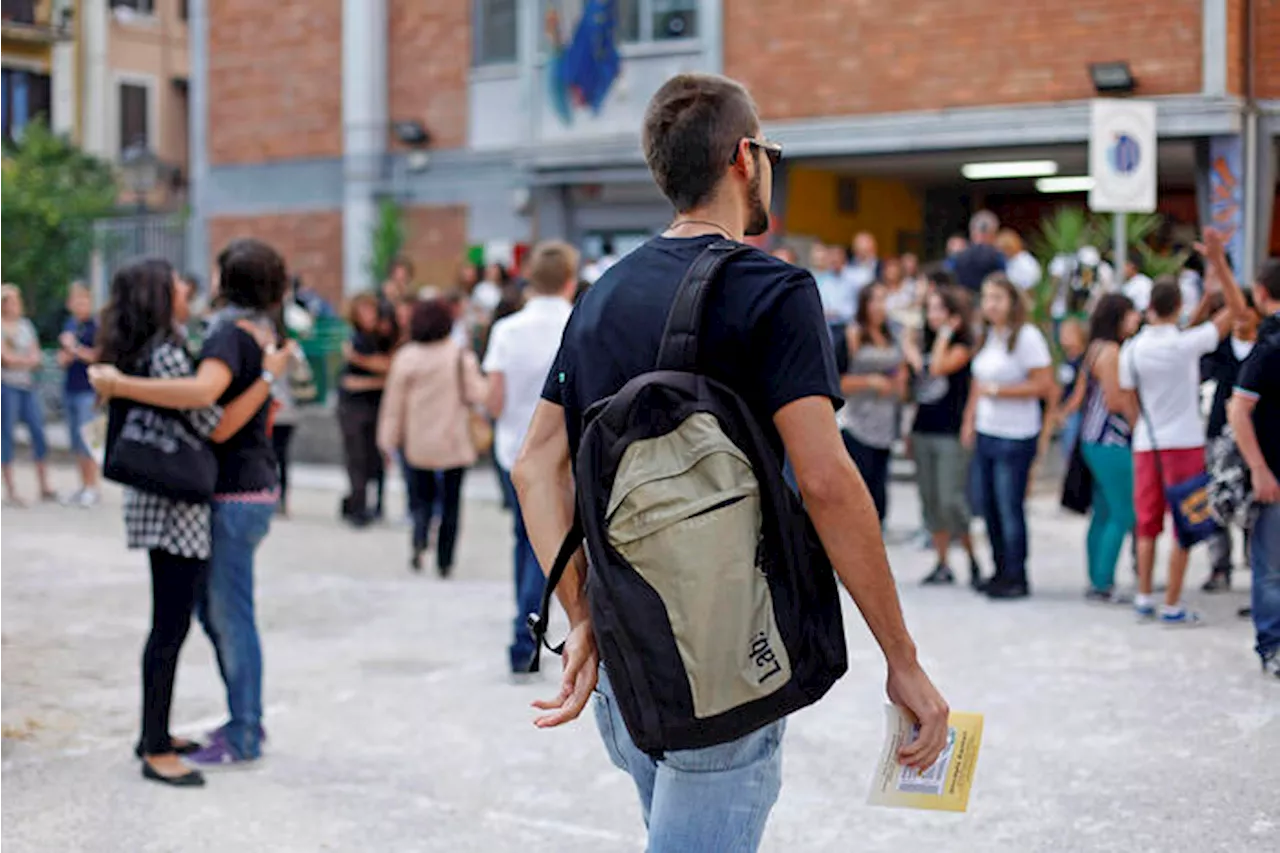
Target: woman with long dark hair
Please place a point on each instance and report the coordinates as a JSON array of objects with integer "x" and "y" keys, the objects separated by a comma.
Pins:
[
  {"x": 1012, "y": 377},
  {"x": 942, "y": 384},
  {"x": 1106, "y": 427},
  {"x": 251, "y": 286},
  {"x": 873, "y": 385},
  {"x": 141, "y": 334}
]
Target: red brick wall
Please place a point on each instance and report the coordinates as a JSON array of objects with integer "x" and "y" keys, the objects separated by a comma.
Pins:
[
  {"x": 429, "y": 58},
  {"x": 436, "y": 242},
  {"x": 275, "y": 80},
  {"x": 840, "y": 57},
  {"x": 1235, "y": 46},
  {"x": 310, "y": 242},
  {"x": 1266, "y": 42}
]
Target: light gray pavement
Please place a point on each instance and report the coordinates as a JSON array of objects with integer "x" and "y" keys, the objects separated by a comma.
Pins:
[{"x": 393, "y": 726}]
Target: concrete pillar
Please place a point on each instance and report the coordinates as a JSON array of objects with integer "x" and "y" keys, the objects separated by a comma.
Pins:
[
  {"x": 365, "y": 127},
  {"x": 97, "y": 109},
  {"x": 198, "y": 135},
  {"x": 62, "y": 110}
]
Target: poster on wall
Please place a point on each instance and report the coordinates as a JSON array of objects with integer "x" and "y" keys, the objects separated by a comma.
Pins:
[
  {"x": 1226, "y": 193},
  {"x": 1122, "y": 156}
]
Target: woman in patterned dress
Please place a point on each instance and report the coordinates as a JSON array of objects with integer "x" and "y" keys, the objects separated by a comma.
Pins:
[{"x": 142, "y": 333}]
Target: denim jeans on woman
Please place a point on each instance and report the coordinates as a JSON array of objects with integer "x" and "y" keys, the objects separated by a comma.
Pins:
[
  {"x": 1001, "y": 470},
  {"x": 22, "y": 405},
  {"x": 227, "y": 613},
  {"x": 717, "y": 798},
  {"x": 1264, "y": 557},
  {"x": 529, "y": 580}
]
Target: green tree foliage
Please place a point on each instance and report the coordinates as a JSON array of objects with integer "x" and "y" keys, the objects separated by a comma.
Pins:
[
  {"x": 388, "y": 239},
  {"x": 52, "y": 193}
]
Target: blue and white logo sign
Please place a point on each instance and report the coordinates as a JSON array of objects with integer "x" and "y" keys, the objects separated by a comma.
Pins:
[{"x": 1122, "y": 156}]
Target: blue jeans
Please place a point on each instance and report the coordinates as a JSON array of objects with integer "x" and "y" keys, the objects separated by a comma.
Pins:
[
  {"x": 529, "y": 579},
  {"x": 1002, "y": 468},
  {"x": 717, "y": 798},
  {"x": 78, "y": 407},
  {"x": 226, "y": 611},
  {"x": 1264, "y": 557},
  {"x": 21, "y": 405}
]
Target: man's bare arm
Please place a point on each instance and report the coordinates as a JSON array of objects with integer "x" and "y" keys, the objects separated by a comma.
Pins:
[
  {"x": 845, "y": 518},
  {"x": 543, "y": 478}
]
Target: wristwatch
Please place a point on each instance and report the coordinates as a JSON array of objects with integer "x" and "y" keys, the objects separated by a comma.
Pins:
[{"x": 268, "y": 377}]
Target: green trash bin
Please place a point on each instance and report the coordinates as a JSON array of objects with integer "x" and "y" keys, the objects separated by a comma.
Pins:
[{"x": 323, "y": 349}]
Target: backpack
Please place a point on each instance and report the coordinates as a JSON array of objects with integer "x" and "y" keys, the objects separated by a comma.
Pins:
[{"x": 714, "y": 605}]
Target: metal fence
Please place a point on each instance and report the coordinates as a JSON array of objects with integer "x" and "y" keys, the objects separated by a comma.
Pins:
[{"x": 123, "y": 238}]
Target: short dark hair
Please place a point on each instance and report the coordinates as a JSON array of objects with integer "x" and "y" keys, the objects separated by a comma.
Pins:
[
  {"x": 400, "y": 262},
  {"x": 432, "y": 321},
  {"x": 251, "y": 274},
  {"x": 1107, "y": 320},
  {"x": 942, "y": 278},
  {"x": 691, "y": 129},
  {"x": 1269, "y": 278},
  {"x": 1166, "y": 298}
]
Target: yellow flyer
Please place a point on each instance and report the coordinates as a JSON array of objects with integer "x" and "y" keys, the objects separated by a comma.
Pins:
[{"x": 944, "y": 786}]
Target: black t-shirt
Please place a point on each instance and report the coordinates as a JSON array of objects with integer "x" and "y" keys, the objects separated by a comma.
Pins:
[
  {"x": 975, "y": 263},
  {"x": 1220, "y": 366},
  {"x": 941, "y": 399},
  {"x": 246, "y": 462},
  {"x": 1260, "y": 378},
  {"x": 764, "y": 333}
]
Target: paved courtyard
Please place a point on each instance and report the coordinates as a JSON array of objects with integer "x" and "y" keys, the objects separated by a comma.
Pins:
[{"x": 393, "y": 726}]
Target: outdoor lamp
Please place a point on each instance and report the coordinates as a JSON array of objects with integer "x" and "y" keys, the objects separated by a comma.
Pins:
[
  {"x": 141, "y": 170},
  {"x": 1112, "y": 78}
]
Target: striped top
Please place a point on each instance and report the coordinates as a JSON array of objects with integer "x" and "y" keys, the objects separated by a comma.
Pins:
[{"x": 1100, "y": 425}]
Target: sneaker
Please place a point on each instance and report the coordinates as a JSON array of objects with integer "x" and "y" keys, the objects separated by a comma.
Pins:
[
  {"x": 1144, "y": 606},
  {"x": 1098, "y": 596},
  {"x": 1271, "y": 664},
  {"x": 1006, "y": 591},
  {"x": 71, "y": 499},
  {"x": 1179, "y": 617},
  {"x": 220, "y": 732},
  {"x": 940, "y": 576},
  {"x": 218, "y": 755},
  {"x": 87, "y": 498},
  {"x": 1219, "y": 581}
]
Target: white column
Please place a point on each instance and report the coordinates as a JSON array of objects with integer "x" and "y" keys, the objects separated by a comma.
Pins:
[
  {"x": 198, "y": 135},
  {"x": 99, "y": 112},
  {"x": 364, "y": 132},
  {"x": 1214, "y": 47},
  {"x": 62, "y": 118}
]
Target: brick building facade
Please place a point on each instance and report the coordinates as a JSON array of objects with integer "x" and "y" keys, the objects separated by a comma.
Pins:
[{"x": 296, "y": 141}]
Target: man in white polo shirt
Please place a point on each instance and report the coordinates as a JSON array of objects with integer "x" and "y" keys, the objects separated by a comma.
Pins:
[
  {"x": 522, "y": 348},
  {"x": 1162, "y": 365}
]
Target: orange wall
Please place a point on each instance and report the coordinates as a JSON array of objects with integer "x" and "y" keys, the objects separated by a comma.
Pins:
[{"x": 886, "y": 208}]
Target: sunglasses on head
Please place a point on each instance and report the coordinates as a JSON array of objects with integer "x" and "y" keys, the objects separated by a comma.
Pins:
[{"x": 772, "y": 150}]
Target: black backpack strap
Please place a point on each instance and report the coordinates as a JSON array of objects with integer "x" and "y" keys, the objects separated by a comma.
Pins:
[
  {"x": 679, "y": 350},
  {"x": 538, "y": 621}
]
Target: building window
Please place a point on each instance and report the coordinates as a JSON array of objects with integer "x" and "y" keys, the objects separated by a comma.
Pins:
[
  {"x": 495, "y": 32},
  {"x": 637, "y": 20},
  {"x": 133, "y": 115},
  {"x": 20, "y": 11},
  {"x": 24, "y": 97},
  {"x": 141, "y": 7}
]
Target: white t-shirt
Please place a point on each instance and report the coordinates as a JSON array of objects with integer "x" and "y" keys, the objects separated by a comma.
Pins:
[
  {"x": 1023, "y": 270},
  {"x": 1010, "y": 418},
  {"x": 1167, "y": 361},
  {"x": 522, "y": 348},
  {"x": 1138, "y": 289}
]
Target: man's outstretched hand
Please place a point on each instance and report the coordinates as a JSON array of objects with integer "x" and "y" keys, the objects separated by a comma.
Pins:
[
  {"x": 581, "y": 669},
  {"x": 909, "y": 688}
]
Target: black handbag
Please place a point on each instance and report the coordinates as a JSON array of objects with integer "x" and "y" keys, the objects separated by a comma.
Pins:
[
  {"x": 1077, "y": 487},
  {"x": 157, "y": 451}
]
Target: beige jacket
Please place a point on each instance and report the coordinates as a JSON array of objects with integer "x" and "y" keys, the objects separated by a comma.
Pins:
[{"x": 423, "y": 411}]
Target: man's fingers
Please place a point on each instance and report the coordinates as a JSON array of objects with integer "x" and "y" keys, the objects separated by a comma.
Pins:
[
  {"x": 572, "y": 707},
  {"x": 922, "y": 752}
]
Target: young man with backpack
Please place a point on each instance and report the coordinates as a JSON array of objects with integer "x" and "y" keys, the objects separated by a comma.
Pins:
[
  {"x": 684, "y": 375},
  {"x": 1254, "y": 415}
]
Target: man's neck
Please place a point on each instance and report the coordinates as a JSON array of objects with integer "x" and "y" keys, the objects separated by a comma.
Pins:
[{"x": 713, "y": 218}]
